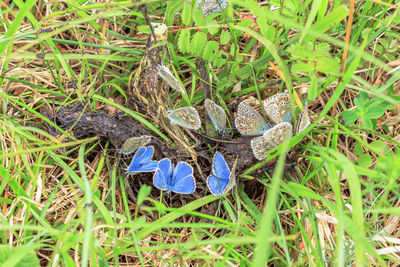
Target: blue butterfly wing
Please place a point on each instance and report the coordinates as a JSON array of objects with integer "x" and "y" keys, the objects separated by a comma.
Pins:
[
  {"x": 139, "y": 153},
  {"x": 163, "y": 175},
  {"x": 150, "y": 166},
  {"x": 220, "y": 167},
  {"x": 216, "y": 185},
  {"x": 141, "y": 159},
  {"x": 183, "y": 180},
  {"x": 146, "y": 156},
  {"x": 136, "y": 161}
]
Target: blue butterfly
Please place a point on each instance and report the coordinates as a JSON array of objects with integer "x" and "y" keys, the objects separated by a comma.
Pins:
[
  {"x": 142, "y": 162},
  {"x": 179, "y": 180},
  {"x": 222, "y": 179}
]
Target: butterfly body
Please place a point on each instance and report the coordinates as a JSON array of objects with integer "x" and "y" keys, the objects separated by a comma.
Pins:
[
  {"x": 222, "y": 179},
  {"x": 134, "y": 143},
  {"x": 249, "y": 121},
  {"x": 278, "y": 108},
  {"x": 169, "y": 78},
  {"x": 179, "y": 179},
  {"x": 142, "y": 162},
  {"x": 216, "y": 114},
  {"x": 186, "y": 117}
]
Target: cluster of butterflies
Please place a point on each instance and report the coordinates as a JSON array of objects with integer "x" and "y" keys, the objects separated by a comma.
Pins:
[
  {"x": 248, "y": 121},
  {"x": 179, "y": 178},
  {"x": 278, "y": 108}
]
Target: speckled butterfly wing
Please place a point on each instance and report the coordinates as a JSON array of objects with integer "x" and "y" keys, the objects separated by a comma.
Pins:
[
  {"x": 211, "y": 6},
  {"x": 216, "y": 114},
  {"x": 279, "y": 133},
  {"x": 186, "y": 117},
  {"x": 304, "y": 120},
  {"x": 169, "y": 78},
  {"x": 134, "y": 143},
  {"x": 260, "y": 147},
  {"x": 278, "y": 108},
  {"x": 249, "y": 121}
]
